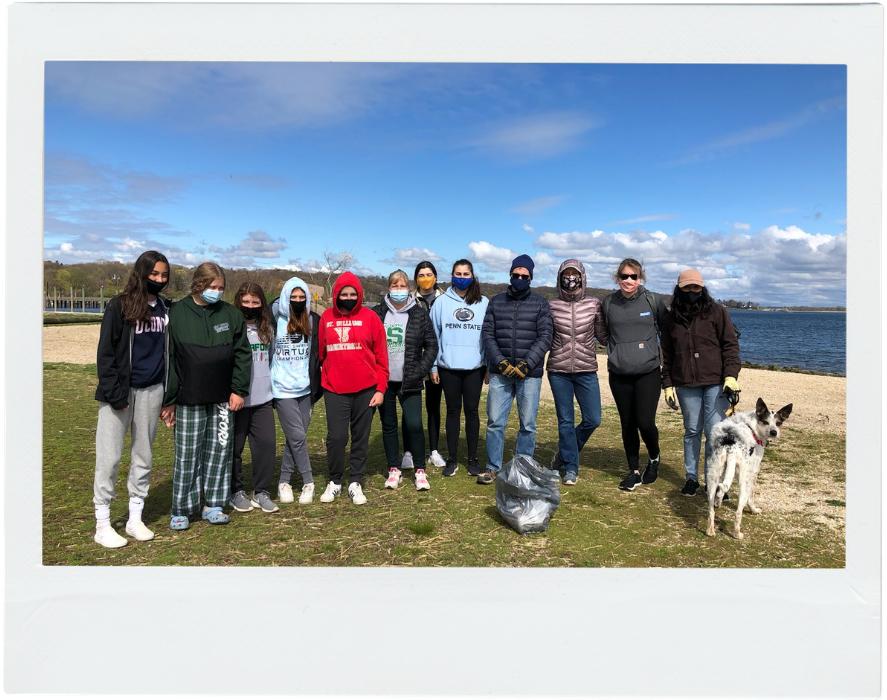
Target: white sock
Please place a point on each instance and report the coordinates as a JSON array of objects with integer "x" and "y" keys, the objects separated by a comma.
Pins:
[
  {"x": 102, "y": 516},
  {"x": 136, "y": 505}
]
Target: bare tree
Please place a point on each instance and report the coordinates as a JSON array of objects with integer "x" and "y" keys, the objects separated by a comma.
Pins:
[{"x": 333, "y": 265}]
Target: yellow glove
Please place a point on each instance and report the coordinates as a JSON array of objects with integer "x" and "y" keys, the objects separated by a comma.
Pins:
[
  {"x": 671, "y": 398},
  {"x": 731, "y": 383}
]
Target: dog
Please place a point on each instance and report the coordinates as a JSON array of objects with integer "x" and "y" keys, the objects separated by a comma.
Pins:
[{"x": 738, "y": 444}]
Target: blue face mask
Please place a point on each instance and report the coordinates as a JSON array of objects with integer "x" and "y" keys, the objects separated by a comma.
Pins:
[
  {"x": 398, "y": 296},
  {"x": 520, "y": 285},
  {"x": 462, "y": 283},
  {"x": 211, "y": 296}
]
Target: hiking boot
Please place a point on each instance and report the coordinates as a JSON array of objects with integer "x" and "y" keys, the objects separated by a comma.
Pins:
[
  {"x": 651, "y": 473},
  {"x": 240, "y": 502},
  {"x": 450, "y": 468},
  {"x": 307, "y": 494},
  {"x": 630, "y": 482},
  {"x": 690, "y": 488},
  {"x": 394, "y": 478},
  {"x": 332, "y": 490},
  {"x": 435, "y": 460},
  {"x": 570, "y": 478},
  {"x": 474, "y": 467},
  {"x": 407, "y": 461},
  {"x": 108, "y": 537},
  {"x": 356, "y": 493},
  {"x": 285, "y": 492},
  {"x": 422, "y": 481},
  {"x": 488, "y": 476},
  {"x": 262, "y": 500}
]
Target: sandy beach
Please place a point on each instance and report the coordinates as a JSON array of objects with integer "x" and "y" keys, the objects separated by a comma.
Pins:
[{"x": 819, "y": 402}]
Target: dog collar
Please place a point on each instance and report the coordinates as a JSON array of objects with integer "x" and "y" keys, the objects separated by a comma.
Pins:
[{"x": 755, "y": 436}]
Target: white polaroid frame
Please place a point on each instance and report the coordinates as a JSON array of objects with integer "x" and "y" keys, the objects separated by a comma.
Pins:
[{"x": 595, "y": 632}]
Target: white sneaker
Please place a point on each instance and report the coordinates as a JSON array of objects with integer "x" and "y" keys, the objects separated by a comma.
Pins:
[
  {"x": 285, "y": 493},
  {"x": 435, "y": 460},
  {"x": 356, "y": 494},
  {"x": 332, "y": 490},
  {"x": 108, "y": 537},
  {"x": 138, "y": 530},
  {"x": 422, "y": 481},
  {"x": 307, "y": 494},
  {"x": 393, "y": 480},
  {"x": 407, "y": 461}
]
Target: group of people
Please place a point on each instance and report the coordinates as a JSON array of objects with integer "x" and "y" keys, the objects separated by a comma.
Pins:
[{"x": 217, "y": 371}]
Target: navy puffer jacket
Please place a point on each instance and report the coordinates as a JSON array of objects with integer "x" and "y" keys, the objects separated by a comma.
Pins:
[{"x": 517, "y": 326}]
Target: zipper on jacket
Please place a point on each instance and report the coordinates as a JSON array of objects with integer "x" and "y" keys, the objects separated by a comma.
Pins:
[
  {"x": 513, "y": 333},
  {"x": 575, "y": 338}
]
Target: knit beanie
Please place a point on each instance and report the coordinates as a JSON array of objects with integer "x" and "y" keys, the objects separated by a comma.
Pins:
[{"x": 523, "y": 261}]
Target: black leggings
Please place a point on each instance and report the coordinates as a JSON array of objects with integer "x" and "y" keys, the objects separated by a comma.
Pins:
[
  {"x": 462, "y": 388},
  {"x": 433, "y": 394},
  {"x": 637, "y": 397}
]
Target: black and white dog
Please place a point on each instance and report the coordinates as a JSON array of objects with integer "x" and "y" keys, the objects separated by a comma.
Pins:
[{"x": 738, "y": 444}]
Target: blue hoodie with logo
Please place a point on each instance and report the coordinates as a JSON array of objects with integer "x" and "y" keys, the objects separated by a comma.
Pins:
[
  {"x": 290, "y": 364},
  {"x": 458, "y": 327}
]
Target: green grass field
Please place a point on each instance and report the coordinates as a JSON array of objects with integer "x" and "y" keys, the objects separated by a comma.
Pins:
[{"x": 456, "y": 523}]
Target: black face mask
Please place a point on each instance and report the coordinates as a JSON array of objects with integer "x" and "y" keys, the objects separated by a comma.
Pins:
[
  {"x": 155, "y": 288},
  {"x": 251, "y": 313},
  {"x": 346, "y": 304},
  {"x": 690, "y": 298},
  {"x": 297, "y": 308}
]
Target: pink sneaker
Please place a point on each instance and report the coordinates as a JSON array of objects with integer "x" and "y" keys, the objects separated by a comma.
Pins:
[
  {"x": 422, "y": 481},
  {"x": 393, "y": 480}
]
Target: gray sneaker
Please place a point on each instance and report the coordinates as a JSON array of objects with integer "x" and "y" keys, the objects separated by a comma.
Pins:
[
  {"x": 241, "y": 503},
  {"x": 262, "y": 500}
]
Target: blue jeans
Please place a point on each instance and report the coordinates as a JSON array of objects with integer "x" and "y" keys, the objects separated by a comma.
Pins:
[
  {"x": 572, "y": 438},
  {"x": 503, "y": 391},
  {"x": 702, "y": 408}
]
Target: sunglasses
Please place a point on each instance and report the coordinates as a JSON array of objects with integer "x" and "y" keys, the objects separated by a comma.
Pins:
[
  {"x": 624, "y": 276},
  {"x": 516, "y": 276}
]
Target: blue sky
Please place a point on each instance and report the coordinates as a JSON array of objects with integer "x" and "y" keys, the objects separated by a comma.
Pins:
[{"x": 739, "y": 171}]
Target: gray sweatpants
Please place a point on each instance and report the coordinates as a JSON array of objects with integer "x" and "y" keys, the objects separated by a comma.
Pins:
[
  {"x": 141, "y": 418},
  {"x": 295, "y": 417}
]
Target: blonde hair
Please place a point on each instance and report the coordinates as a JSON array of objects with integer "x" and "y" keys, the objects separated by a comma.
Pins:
[
  {"x": 204, "y": 275},
  {"x": 398, "y": 275}
]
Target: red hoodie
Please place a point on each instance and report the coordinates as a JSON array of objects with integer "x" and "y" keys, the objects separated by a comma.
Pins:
[{"x": 352, "y": 346}]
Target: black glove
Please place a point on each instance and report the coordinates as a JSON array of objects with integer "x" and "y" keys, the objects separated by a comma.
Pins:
[
  {"x": 506, "y": 368},
  {"x": 521, "y": 370}
]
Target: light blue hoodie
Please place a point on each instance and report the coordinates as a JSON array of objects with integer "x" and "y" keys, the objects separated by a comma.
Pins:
[
  {"x": 289, "y": 365},
  {"x": 457, "y": 326}
]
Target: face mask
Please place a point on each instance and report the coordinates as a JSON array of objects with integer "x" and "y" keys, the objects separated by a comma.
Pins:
[
  {"x": 570, "y": 283},
  {"x": 346, "y": 305},
  {"x": 297, "y": 308},
  {"x": 691, "y": 297},
  {"x": 154, "y": 288},
  {"x": 462, "y": 283},
  {"x": 211, "y": 296},
  {"x": 426, "y": 283},
  {"x": 520, "y": 285},
  {"x": 398, "y": 296},
  {"x": 251, "y": 313}
]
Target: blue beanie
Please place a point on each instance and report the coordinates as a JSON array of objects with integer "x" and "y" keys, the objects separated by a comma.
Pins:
[{"x": 523, "y": 261}]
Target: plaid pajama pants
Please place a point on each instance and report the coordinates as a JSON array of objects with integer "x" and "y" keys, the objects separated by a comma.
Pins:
[{"x": 204, "y": 439}]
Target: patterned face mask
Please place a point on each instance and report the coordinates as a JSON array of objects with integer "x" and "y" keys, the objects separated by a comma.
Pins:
[{"x": 570, "y": 283}]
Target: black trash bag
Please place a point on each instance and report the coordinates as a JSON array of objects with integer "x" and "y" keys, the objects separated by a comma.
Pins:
[{"x": 527, "y": 494}]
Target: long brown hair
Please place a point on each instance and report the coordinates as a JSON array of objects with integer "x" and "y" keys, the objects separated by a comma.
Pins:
[
  {"x": 134, "y": 297},
  {"x": 263, "y": 322},
  {"x": 300, "y": 325},
  {"x": 473, "y": 295}
]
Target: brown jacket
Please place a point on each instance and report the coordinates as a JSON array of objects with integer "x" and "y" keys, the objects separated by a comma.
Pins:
[
  {"x": 578, "y": 320},
  {"x": 701, "y": 354}
]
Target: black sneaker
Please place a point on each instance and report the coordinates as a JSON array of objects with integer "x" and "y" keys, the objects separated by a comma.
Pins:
[
  {"x": 690, "y": 488},
  {"x": 630, "y": 481},
  {"x": 651, "y": 473},
  {"x": 474, "y": 467},
  {"x": 557, "y": 462},
  {"x": 487, "y": 476},
  {"x": 451, "y": 468}
]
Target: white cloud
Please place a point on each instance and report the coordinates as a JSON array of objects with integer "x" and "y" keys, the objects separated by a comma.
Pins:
[
  {"x": 773, "y": 265},
  {"x": 534, "y": 206},
  {"x": 643, "y": 219},
  {"x": 529, "y": 229},
  {"x": 534, "y": 137},
  {"x": 412, "y": 256},
  {"x": 492, "y": 257},
  {"x": 257, "y": 245},
  {"x": 739, "y": 226}
]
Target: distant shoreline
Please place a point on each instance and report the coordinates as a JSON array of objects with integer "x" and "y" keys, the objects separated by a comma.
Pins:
[{"x": 795, "y": 311}]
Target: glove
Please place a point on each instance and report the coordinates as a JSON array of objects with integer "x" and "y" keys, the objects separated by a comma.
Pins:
[
  {"x": 521, "y": 370},
  {"x": 506, "y": 368},
  {"x": 671, "y": 398},
  {"x": 731, "y": 383}
]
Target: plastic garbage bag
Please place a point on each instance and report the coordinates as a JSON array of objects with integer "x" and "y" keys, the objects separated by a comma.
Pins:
[{"x": 527, "y": 494}]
